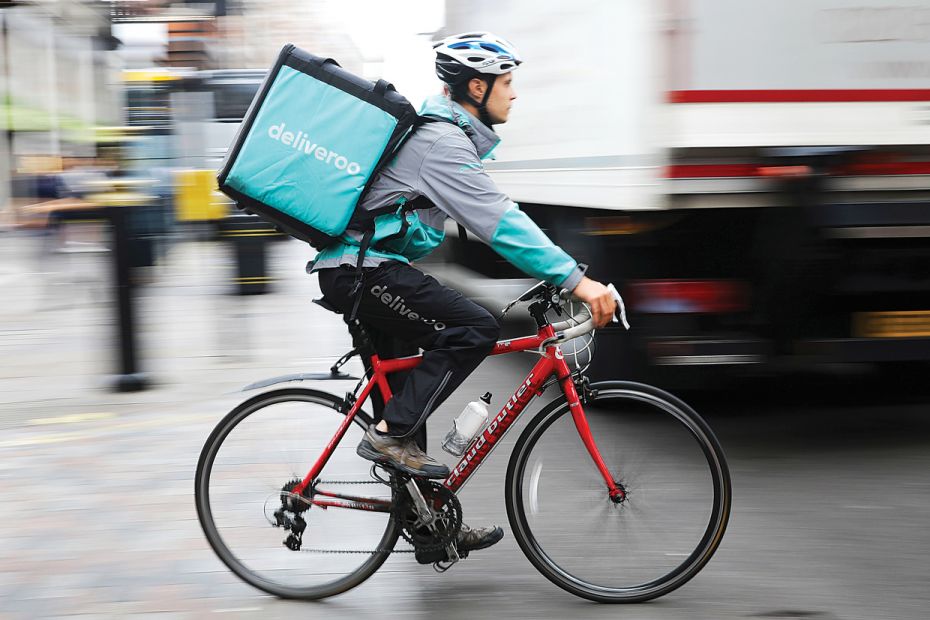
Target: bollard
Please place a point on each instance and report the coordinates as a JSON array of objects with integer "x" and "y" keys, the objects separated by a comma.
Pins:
[
  {"x": 128, "y": 379},
  {"x": 116, "y": 207},
  {"x": 250, "y": 235}
]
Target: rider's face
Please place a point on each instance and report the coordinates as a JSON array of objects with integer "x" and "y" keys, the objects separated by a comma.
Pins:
[{"x": 501, "y": 99}]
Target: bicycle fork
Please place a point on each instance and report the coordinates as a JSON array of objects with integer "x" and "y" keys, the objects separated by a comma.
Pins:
[{"x": 615, "y": 490}]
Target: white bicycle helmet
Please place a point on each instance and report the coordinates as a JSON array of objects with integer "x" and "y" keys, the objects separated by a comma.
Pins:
[{"x": 463, "y": 56}]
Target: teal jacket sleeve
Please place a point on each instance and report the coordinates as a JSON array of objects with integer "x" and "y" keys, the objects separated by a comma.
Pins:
[{"x": 453, "y": 178}]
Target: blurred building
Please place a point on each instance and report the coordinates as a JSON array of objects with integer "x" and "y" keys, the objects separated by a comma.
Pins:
[
  {"x": 56, "y": 67},
  {"x": 62, "y": 62},
  {"x": 254, "y": 31},
  {"x": 238, "y": 34},
  {"x": 190, "y": 42}
]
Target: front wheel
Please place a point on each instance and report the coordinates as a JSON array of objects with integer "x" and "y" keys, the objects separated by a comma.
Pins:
[{"x": 665, "y": 529}]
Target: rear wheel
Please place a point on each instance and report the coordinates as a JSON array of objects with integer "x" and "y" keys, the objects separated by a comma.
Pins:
[
  {"x": 665, "y": 529},
  {"x": 250, "y": 461}
]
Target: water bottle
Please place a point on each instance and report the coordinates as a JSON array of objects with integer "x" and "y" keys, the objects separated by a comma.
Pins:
[{"x": 469, "y": 423}]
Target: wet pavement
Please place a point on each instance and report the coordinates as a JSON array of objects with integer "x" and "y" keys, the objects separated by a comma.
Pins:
[{"x": 831, "y": 501}]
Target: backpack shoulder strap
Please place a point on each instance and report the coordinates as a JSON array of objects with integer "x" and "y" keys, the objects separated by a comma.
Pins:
[
  {"x": 428, "y": 118},
  {"x": 420, "y": 202},
  {"x": 423, "y": 119}
]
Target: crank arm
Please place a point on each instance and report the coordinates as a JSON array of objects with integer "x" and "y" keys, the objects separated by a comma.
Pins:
[{"x": 424, "y": 512}]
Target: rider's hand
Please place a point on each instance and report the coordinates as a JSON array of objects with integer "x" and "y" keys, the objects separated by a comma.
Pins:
[{"x": 599, "y": 298}]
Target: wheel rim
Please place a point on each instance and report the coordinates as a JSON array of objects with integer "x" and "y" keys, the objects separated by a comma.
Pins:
[
  {"x": 255, "y": 452},
  {"x": 659, "y": 536}
]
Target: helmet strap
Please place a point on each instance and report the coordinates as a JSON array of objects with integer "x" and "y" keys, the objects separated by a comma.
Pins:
[
  {"x": 463, "y": 93},
  {"x": 483, "y": 107}
]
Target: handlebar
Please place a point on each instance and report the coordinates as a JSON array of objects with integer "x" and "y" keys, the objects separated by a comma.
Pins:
[
  {"x": 566, "y": 330},
  {"x": 575, "y": 326}
]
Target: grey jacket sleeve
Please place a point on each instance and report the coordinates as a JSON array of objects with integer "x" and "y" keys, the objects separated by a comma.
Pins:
[{"x": 453, "y": 178}]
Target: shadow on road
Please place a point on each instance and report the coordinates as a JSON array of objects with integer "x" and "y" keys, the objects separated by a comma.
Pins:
[{"x": 863, "y": 410}]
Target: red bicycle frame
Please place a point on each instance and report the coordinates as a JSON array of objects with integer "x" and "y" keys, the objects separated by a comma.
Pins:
[{"x": 551, "y": 363}]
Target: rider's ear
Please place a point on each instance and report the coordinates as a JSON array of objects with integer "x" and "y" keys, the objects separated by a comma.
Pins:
[{"x": 477, "y": 86}]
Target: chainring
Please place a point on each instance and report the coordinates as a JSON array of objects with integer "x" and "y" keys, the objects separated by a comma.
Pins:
[{"x": 446, "y": 525}]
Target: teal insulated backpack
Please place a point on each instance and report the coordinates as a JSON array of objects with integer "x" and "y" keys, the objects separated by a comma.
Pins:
[{"x": 311, "y": 143}]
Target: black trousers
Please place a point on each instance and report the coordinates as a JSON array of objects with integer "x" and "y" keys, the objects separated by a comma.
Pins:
[{"x": 404, "y": 310}]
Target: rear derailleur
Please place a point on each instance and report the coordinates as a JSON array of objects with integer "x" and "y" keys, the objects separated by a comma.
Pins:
[{"x": 289, "y": 516}]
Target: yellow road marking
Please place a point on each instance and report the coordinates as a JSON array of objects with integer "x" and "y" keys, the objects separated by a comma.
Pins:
[
  {"x": 44, "y": 439},
  {"x": 71, "y": 419},
  {"x": 97, "y": 432}
]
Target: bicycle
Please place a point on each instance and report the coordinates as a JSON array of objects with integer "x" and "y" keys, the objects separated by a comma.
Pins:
[{"x": 624, "y": 518}]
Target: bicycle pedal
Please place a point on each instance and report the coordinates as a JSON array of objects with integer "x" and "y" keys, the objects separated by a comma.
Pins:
[
  {"x": 431, "y": 556},
  {"x": 391, "y": 469},
  {"x": 442, "y": 566},
  {"x": 437, "y": 556},
  {"x": 389, "y": 473}
]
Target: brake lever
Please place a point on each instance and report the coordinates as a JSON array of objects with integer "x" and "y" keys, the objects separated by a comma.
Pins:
[{"x": 621, "y": 307}]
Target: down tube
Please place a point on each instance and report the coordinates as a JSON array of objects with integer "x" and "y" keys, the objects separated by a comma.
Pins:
[{"x": 479, "y": 449}]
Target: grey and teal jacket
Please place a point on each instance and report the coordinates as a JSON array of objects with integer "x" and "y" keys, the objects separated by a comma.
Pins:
[{"x": 442, "y": 161}]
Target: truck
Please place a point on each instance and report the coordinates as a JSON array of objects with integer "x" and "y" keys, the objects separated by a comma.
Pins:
[{"x": 753, "y": 176}]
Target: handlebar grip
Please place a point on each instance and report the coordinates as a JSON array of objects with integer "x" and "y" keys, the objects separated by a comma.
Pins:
[
  {"x": 572, "y": 329},
  {"x": 575, "y": 331},
  {"x": 575, "y": 326}
]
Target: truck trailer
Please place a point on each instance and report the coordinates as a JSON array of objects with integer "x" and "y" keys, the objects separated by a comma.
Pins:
[{"x": 754, "y": 176}]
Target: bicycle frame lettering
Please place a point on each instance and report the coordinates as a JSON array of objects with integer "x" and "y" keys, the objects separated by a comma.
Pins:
[
  {"x": 492, "y": 433},
  {"x": 550, "y": 364}
]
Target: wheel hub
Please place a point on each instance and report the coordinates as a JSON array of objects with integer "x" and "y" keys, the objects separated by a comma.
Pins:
[{"x": 618, "y": 495}]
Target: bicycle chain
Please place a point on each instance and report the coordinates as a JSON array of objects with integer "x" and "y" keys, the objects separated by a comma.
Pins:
[
  {"x": 362, "y": 551},
  {"x": 450, "y": 498}
]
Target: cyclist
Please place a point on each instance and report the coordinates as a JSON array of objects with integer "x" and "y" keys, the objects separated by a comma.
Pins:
[{"x": 404, "y": 309}]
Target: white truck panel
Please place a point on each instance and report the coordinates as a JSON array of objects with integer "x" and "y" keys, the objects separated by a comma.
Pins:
[
  {"x": 802, "y": 44},
  {"x": 583, "y": 130},
  {"x": 698, "y": 125},
  {"x": 629, "y": 188},
  {"x": 594, "y": 124},
  {"x": 838, "y": 50}
]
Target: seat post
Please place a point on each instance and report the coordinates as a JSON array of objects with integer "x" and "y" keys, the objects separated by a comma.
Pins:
[{"x": 361, "y": 340}]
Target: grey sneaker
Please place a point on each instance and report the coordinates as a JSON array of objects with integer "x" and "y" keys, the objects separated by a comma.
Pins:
[
  {"x": 478, "y": 538},
  {"x": 469, "y": 540},
  {"x": 404, "y": 454}
]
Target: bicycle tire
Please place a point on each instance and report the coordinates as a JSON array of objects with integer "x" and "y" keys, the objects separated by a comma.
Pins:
[
  {"x": 205, "y": 511},
  {"x": 646, "y": 401}
]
